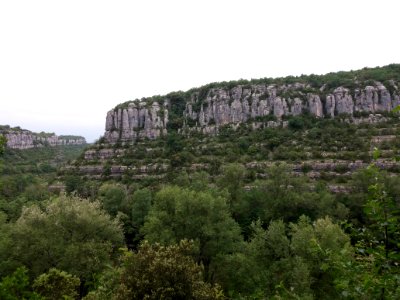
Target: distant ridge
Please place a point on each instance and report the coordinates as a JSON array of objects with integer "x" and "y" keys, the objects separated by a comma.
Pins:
[{"x": 18, "y": 138}]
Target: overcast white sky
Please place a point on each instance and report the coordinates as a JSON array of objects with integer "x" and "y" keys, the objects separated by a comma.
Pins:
[{"x": 64, "y": 64}]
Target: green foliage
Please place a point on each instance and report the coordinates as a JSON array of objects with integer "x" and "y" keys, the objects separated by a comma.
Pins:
[
  {"x": 177, "y": 104},
  {"x": 297, "y": 261},
  {"x": 17, "y": 191},
  {"x": 241, "y": 209},
  {"x": 17, "y": 287},
  {"x": 232, "y": 179},
  {"x": 113, "y": 198},
  {"x": 300, "y": 122},
  {"x": 350, "y": 79},
  {"x": 3, "y": 142},
  {"x": 42, "y": 161},
  {"x": 69, "y": 233},
  {"x": 179, "y": 214},
  {"x": 376, "y": 273},
  {"x": 141, "y": 203},
  {"x": 157, "y": 272},
  {"x": 13, "y": 186},
  {"x": 56, "y": 284},
  {"x": 288, "y": 197},
  {"x": 72, "y": 183},
  {"x": 322, "y": 245},
  {"x": 138, "y": 209},
  {"x": 174, "y": 143}
]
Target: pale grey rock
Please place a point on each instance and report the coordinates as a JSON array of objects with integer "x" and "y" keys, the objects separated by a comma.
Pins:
[
  {"x": 330, "y": 105},
  {"x": 271, "y": 90},
  {"x": 396, "y": 100},
  {"x": 25, "y": 139},
  {"x": 279, "y": 104},
  {"x": 385, "y": 100},
  {"x": 136, "y": 121},
  {"x": 236, "y": 93},
  {"x": 264, "y": 108},
  {"x": 110, "y": 120},
  {"x": 202, "y": 117},
  {"x": 245, "y": 110},
  {"x": 133, "y": 117},
  {"x": 315, "y": 105},
  {"x": 254, "y": 107},
  {"x": 101, "y": 154},
  {"x": 273, "y": 124},
  {"x": 256, "y": 125},
  {"x": 239, "y": 104},
  {"x": 125, "y": 128},
  {"x": 343, "y": 101},
  {"x": 236, "y": 111},
  {"x": 364, "y": 99},
  {"x": 296, "y": 107}
]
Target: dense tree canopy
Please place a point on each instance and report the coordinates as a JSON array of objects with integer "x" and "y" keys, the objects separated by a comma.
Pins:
[
  {"x": 180, "y": 213},
  {"x": 56, "y": 284},
  {"x": 68, "y": 233},
  {"x": 203, "y": 216},
  {"x": 301, "y": 259},
  {"x": 157, "y": 272}
]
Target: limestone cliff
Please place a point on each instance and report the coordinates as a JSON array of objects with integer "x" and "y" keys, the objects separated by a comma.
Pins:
[
  {"x": 241, "y": 103},
  {"x": 207, "y": 108},
  {"x": 136, "y": 121},
  {"x": 18, "y": 138}
]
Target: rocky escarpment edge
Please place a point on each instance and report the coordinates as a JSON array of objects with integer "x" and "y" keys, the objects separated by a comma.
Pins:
[
  {"x": 260, "y": 104},
  {"x": 18, "y": 138}
]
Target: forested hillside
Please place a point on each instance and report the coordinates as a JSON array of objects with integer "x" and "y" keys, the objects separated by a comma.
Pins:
[
  {"x": 283, "y": 188},
  {"x": 29, "y": 174}
]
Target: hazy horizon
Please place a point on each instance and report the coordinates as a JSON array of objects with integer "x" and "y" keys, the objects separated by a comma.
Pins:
[{"x": 64, "y": 65}]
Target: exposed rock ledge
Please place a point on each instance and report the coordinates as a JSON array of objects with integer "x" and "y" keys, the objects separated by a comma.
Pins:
[
  {"x": 243, "y": 103},
  {"x": 18, "y": 138}
]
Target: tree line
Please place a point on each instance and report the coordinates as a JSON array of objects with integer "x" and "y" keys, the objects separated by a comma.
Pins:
[{"x": 200, "y": 237}]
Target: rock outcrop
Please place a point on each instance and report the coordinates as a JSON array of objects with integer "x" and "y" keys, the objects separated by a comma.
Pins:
[
  {"x": 243, "y": 103},
  {"x": 18, "y": 138},
  {"x": 138, "y": 120}
]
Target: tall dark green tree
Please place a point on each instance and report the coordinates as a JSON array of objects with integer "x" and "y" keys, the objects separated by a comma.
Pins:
[
  {"x": 299, "y": 261},
  {"x": 376, "y": 272},
  {"x": 3, "y": 142},
  {"x": 179, "y": 214},
  {"x": 113, "y": 198}
]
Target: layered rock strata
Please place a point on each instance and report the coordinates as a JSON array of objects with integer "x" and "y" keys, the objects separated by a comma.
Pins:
[
  {"x": 136, "y": 121},
  {"x": 268, "y": 103},
  {"x": 25, "y": 139}
]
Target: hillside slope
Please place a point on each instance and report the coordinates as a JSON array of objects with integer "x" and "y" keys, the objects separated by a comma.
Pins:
[
  {"x": 28, "y": 152},
  {"x": 324, "y": 126},
  {"x": 264, "y": 102}
]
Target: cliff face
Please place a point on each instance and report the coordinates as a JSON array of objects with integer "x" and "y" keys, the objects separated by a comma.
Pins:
[
  {"x": 241, "y": 104},
  {"x": 251, "y": 102},
  {"x": 24, "y": 139},
  {"x": 136, "y": 121},
  {"x": 229, "y": 115}
]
